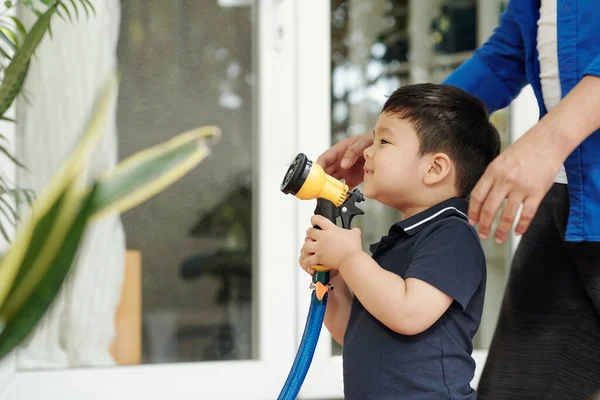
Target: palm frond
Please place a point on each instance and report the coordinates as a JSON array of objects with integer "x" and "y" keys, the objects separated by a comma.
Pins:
[
  {"x": 17, "y": 47},
  {"x": 74, "y": 5},
  {"x": 10, "y": 201}
]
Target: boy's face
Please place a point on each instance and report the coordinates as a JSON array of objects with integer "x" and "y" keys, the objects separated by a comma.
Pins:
[{"x": 393, "y": 168}]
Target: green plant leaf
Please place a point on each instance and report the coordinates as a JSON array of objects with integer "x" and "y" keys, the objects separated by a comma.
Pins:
[
  {"x": 13, "y": 260},
  {"x": 84, "y": 2},
  {"x": 8, "y": 37},
  {"x": 16, "y": 72},
  {"x": 75, "y": 8},
  {"x": 33, "y": 268},
  {"x": 36, "y": 305},
  {"x": 66, "y": 9},
  {"x": 9, "y": 210},
  {"x": 20, "y": 27},
  {"x": 5, "y": 234},
  {"x": 4, "y": 151},
  {"x": 28, "y": 194},
  {"x": 148, "y": 172},
  {"x": 4, "y": 54},
  {"x": 10, "y": 215}
]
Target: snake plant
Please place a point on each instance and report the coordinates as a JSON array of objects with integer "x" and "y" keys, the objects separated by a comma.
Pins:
[{"x": 45, "y": 245}]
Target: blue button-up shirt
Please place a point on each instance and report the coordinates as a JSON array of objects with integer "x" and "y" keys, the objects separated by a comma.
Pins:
[{"x": 508, "y": 61}]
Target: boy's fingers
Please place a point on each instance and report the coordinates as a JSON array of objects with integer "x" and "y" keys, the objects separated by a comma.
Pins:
[
  {"x": 309, "y": 262},
  {"x": 321, "y": 221},
  {"x": 309, "y": 248},
  {"x": 308, "y": 269},
  {"x": 313, "y": 234}
]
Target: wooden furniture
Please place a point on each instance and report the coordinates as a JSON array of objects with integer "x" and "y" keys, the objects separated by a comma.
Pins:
[{"x": 126, "y": 348}]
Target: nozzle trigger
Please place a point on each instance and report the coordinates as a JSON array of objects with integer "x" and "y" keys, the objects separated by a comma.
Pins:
[{"x": 349, "y": 209}]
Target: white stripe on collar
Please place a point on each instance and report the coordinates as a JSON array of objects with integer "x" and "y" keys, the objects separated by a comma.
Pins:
[{"x": 435, "y": 215}]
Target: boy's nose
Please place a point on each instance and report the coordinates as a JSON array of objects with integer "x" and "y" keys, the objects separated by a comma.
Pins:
[{"x": 367, "y": 153}]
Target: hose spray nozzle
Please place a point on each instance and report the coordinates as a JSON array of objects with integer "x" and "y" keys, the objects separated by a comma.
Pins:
[{"x": 307, "y": 180}]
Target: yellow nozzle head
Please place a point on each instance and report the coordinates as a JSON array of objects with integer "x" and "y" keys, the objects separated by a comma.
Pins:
[{"x": 307, "y": 180}]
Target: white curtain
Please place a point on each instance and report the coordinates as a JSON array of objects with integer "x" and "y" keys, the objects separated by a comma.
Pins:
[{"x": 66, "y": 73}]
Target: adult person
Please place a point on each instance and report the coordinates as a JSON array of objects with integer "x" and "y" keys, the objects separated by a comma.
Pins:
[{"x": 547, "y": 340}]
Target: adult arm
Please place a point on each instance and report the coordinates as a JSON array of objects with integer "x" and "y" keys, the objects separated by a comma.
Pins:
[{"x": 525, "y": 171}]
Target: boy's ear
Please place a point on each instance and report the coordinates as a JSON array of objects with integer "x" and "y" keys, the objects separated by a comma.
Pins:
[{"x": 438, "y": 168}]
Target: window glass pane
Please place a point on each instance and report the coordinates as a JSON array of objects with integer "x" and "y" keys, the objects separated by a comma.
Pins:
[
  {"x": 187, "y": 63},
  {"x": 380, "y": 45}
]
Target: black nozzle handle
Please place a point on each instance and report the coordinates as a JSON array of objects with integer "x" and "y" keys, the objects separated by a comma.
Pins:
[{"x": 327, "y": 209}]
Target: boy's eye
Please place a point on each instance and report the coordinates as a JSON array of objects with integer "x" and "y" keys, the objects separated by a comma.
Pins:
[{"x": 383, "y": 141}]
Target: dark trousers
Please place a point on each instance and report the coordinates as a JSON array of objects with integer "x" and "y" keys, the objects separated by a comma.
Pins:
[{"x": 547, "y": 341}]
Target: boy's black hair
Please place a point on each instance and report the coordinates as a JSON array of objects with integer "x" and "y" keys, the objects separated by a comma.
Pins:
[{"x": 449, "y": 120}]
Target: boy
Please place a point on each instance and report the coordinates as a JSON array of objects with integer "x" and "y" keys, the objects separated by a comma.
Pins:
[{"x": 416, "y": 303}]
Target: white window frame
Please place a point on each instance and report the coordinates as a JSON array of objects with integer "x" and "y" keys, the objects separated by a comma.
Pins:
[
  {"x": 324, "y": 379},
  {"x": 276, "y": 255}
]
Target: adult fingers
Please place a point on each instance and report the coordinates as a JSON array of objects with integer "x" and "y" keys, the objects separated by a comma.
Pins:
[
  {"x": 478, "y": 196},
  {"x": 530, "y": 207},
  {"x": 356, "y": 149},
  {"x": 508, "y": 216},
  {"x": 354, "y": 175},
  {"x": 330, "y": 159},
  {"x": 489, "y": 209}
]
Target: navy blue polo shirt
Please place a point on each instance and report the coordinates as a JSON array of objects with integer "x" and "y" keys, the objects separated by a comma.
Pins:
[{"x": 437, "y": 246}]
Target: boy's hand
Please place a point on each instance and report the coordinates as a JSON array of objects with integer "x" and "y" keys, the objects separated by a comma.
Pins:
[
  {"x": 328, "y": 246},
  {"x": 303, "y": 254}
]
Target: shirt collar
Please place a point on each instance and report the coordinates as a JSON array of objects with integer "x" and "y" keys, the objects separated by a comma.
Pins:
[{"x": 454, "y": 206}]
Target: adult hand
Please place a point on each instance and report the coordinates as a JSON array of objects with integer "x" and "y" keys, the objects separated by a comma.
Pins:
[
  {"x": 522, "y": 174},
  {"x": 345, "y": 159}
]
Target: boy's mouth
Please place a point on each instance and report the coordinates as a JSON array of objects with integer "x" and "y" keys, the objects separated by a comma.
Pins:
[{"x": 368, "y": 171}]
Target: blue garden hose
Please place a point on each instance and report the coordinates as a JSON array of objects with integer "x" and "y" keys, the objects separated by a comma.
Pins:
[{"x": 310, "y": 337}]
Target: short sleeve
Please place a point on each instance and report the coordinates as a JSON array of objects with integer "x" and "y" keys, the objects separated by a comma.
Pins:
[{"x": 451, "y": 259}]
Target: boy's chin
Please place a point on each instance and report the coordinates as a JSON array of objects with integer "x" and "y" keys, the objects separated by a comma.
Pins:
[{"x": 368, "y": 192}]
